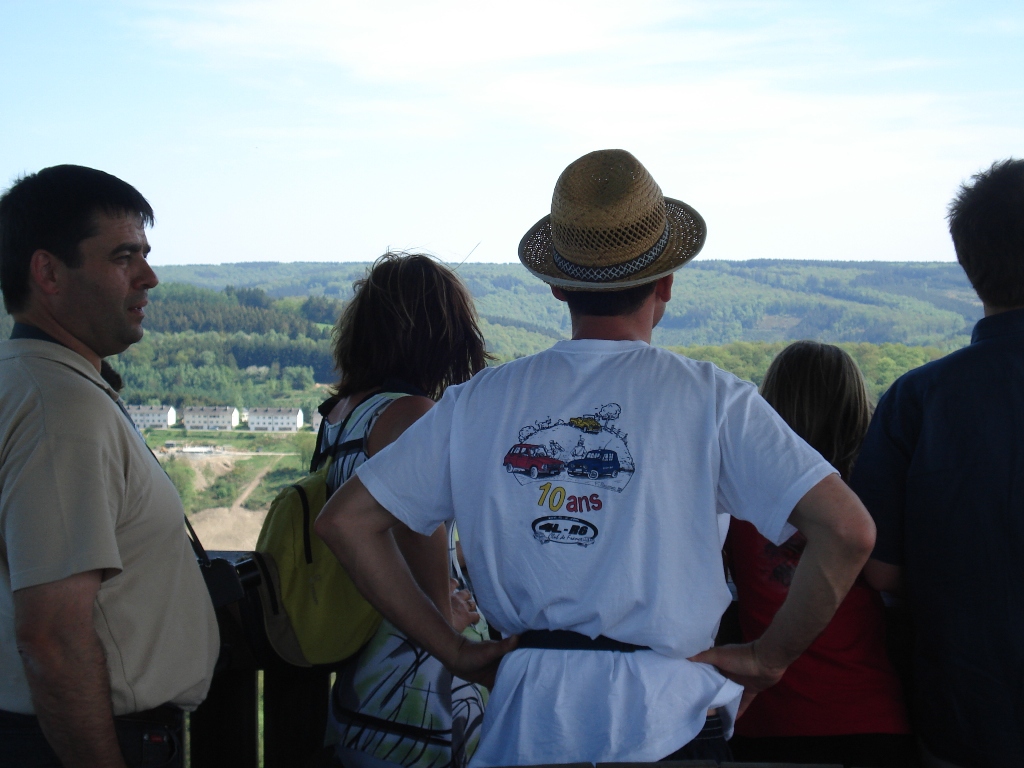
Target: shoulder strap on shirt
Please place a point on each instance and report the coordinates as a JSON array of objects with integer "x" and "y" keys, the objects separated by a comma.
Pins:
[
  {"x": 333, "y": 450},
  {"x": 391, "y": 384}
]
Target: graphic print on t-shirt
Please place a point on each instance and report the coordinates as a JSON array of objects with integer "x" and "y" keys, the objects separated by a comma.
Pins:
[{"x": 586, "y": 448}]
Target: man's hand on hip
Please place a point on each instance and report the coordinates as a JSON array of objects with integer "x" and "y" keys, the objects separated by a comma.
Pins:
[
  {"x": 478, "y": 662},
  {"x": 741, "y": 664},
  {"x": 840, "y": 535}
]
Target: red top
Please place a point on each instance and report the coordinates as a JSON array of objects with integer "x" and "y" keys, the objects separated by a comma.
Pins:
[{"x": 843, "y": 683}]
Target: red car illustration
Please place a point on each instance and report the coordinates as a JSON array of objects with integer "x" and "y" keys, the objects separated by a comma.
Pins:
[{"x": 532, "y": 459}]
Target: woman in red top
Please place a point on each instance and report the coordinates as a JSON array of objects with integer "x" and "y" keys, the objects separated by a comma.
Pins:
[{"x": 841, "y": 702}]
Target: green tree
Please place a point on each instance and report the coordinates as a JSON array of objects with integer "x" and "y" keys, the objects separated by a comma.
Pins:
[{"x": 184, "y": 479}]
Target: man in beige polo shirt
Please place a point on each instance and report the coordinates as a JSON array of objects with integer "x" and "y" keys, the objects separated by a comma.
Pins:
[{"x": 105, "y": 621}]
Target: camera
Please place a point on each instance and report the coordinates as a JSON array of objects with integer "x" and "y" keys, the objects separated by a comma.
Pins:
[{"x": 227, "y": 581}]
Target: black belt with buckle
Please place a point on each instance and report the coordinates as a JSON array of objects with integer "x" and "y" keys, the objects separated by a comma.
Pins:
[
  {"x": 153, "y": 738},
  {"x": 566, "y": 640}
]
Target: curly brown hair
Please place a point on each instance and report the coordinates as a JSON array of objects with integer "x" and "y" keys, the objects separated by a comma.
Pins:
[
  {"x": 819, "y": 391},
  {"x": 411, "y": 319}
]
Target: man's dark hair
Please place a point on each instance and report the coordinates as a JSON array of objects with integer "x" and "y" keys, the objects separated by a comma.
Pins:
[
  {"x": 986, "y": 220},
  {"x": 54, "y": 210},
  {"x": 608, "y": 303}
]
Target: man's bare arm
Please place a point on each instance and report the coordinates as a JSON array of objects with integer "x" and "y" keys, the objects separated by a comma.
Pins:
[
  {"x": 840, "y": 535},
  {"x": 427, "y": 556},
  {"x": 358, "y": 531},
  {"x": 67, "y": 671}
]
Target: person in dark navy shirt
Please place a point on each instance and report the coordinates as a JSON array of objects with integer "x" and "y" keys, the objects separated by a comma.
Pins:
[{"x": 942, "y": 472}]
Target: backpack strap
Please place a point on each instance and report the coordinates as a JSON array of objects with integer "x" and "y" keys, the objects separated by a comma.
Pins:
[
  {"x": 307, "y": 542},
  {"x": 356, "y": 445},
  {"x": 332, "y": 451},
  {"x": 324, "y": 409}
]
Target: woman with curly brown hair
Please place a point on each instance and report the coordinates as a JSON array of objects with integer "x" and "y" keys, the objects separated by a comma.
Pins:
[{"x": 408, "y": 333}]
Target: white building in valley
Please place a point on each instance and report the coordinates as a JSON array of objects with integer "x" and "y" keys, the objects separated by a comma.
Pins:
[
  {"x": 159, "y": 416},
  {"x": 317, "y": 418},
  {"x": 210, "y": 417},
  {"x": 275, "y": 419}
]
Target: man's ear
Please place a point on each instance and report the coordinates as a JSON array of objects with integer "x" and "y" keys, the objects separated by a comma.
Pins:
[
  {"x": 663, "y": 288},
  {"x": 44, "y": 269},
  {"x": 557, "y": 292}
]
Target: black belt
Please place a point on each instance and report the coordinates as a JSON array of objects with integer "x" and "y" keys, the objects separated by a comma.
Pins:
[
  {"x": 166, "y": 714},
  {"x": 566, "y": 640},
  {"x": 361, "y": 721},
  {"x": 153, "y": 737}
]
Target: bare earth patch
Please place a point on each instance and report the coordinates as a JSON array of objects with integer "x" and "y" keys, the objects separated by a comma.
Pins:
[
  {"x": 208, "y": 468},
  {"x": 228, "y": 528},
  {"x": 234, "y": 528}
]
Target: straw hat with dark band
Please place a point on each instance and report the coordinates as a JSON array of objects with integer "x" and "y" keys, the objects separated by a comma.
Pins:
[{"x": 610, "y": 227}]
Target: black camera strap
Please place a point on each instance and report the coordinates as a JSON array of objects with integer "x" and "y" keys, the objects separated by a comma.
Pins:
[
  {"x": 220, "y": 575},
  {"x": 193, "y": 537},
  {"x": 197, "y": 545}
]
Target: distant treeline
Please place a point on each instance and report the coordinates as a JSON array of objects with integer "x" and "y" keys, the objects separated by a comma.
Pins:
[
  {"x": 713, "y": 302},
  {"x": 178, "y": 307},
  {"x": 245, "y": 369},
  {"x": 881, "y": 364},
  {"x": 260, "y": 334}
]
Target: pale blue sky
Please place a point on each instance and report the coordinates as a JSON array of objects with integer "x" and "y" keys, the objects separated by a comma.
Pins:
[{"x": 315, "y": 130}]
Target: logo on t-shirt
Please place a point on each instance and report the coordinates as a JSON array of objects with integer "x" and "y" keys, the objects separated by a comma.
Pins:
[
  {"x": 564, "y": 530},
  {"x": 587, "y": 448}
]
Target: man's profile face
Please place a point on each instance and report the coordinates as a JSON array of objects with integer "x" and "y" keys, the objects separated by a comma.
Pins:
[{"x": 102, "y": 301}]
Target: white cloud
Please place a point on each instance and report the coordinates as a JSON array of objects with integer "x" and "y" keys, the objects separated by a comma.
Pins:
[
  {"x": 776, "y": 116},
  {"x": 402, "y": 39}
]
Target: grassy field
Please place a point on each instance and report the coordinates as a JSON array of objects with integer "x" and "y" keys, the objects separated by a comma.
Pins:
[
  {"x": 236, "y": 439},
  {"x": 203, "y": 484},
  {"x": 288, "y": 470}
]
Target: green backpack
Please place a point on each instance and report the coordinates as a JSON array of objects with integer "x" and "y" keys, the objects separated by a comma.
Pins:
[{"x": 313, "y": 613}]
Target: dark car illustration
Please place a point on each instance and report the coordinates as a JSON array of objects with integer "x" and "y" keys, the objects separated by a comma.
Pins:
[
  {"x": 532, "y": 459},
  {"x": 599, "y": 463}
]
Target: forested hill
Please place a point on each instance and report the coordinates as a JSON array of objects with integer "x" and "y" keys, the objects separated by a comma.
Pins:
[
  {"x": 259, "y": 334},
  {"x": 714, "y": 302}
]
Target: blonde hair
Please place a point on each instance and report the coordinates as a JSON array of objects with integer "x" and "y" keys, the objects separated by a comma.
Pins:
[{"x": 819, "y": 391}]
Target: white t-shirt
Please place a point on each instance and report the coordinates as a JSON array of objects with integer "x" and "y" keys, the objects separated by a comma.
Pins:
[{"x": 587, "y": 483}]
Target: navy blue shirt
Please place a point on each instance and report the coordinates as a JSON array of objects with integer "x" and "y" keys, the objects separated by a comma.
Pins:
[{"x": 942, "y": 473}]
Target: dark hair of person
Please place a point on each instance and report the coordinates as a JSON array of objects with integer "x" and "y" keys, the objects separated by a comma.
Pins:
[
  {"x": 986, "y": 220},
  {"x": 411, "y": 319},
  {"x": 54, "y": 210},
  {"x": 608, "y": 303},
  {"x": 819, "y": 391}
]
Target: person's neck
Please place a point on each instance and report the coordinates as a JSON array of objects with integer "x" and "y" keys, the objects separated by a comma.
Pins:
[
  {"x": 635, "y": 327},
  {"x": 990, "y": 309},
  {"x": 46, "y": 322}
]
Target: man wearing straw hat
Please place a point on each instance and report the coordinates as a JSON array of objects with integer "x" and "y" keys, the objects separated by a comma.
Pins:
[{"x": 588, "y": 482}]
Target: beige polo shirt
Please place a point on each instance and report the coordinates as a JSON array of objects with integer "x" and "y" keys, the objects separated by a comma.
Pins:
[{"x": 79, "y": 491}]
